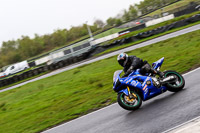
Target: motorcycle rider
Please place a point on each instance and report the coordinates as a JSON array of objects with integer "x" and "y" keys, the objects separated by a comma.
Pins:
[{"x": 131, "y": 63}]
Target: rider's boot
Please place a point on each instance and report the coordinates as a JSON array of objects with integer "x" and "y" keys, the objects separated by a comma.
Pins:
[
  {"x": 159, "y": 73},
  {"x": 162, "y": 79}
]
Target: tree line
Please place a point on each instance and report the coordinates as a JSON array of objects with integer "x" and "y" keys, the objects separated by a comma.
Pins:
[
  {"x": 24, "y": 48},
  {"x": 13, "y": 51}
]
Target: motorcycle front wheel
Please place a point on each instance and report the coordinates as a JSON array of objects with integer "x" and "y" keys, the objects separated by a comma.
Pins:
[
  {"x": 127, "y": 103},
  {"x": 177, "y": 84}
]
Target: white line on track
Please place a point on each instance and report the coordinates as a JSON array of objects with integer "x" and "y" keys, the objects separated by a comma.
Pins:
[
  {"x": 181, "y": 130},
  {"x": 198, "y": 117},
  {"x": 191, "y": 71}
]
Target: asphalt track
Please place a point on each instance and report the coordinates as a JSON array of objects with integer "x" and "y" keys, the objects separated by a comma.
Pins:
[
  {"x": 88, "y": 61},
  {"x": 155, "y": 116}
]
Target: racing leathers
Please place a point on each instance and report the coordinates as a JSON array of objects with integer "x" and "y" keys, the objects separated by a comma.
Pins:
[{"x": 134, "y": 63}]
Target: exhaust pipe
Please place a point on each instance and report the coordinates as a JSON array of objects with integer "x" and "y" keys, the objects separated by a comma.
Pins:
[{"x": 167, "y": 79}]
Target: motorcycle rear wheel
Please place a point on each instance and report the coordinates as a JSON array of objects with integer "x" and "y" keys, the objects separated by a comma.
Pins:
[
  {"x": 179, "y": 82},
  {"x": 127, "y": 103}
]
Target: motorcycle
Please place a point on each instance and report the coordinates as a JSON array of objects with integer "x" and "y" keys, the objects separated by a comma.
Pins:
[{"x": 135, "y": 88}]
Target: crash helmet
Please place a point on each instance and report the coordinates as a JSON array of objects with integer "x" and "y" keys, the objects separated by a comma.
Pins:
[{"x": 122, "y": 59}]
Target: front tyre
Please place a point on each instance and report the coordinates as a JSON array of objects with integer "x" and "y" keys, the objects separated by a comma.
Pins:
[
  {"x": 127, "y": 103},
  {"x": 177, "y": 84}
]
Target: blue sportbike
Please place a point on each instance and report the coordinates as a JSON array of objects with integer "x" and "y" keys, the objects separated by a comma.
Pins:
[{"x": 135, "y": 88}]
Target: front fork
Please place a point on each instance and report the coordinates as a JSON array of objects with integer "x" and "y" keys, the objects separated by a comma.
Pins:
[
  {"x": 131, "y": 95},
  {"x": 128, "y": 93}
]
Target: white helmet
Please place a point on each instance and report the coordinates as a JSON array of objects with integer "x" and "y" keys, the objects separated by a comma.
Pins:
[{"x": 122, "y": 59}]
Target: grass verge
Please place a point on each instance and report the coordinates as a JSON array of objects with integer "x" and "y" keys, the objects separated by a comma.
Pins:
[
  {"x": 24, "y": 80},
  {"x": 68, "y": 95}
]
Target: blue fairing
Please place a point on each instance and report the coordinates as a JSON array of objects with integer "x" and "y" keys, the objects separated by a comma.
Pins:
[
  {"x": 158, "y": 63},
  {"x": 137, "y": 82},
  {"x": 125, "y": 91}
]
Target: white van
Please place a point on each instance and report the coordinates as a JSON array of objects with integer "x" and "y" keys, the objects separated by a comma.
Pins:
[{"x": 16, "y": 68}]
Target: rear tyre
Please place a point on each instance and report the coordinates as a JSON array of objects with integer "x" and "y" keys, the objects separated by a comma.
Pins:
[
  {"x": 177, "y": 84},
  {"x": 127, "y": 103}
]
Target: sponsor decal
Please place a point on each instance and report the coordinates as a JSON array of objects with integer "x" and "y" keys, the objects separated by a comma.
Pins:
[
  {"x": 134, "y": 83},
  {"x": 145, "y": 81},
  {"x": 146, "y": 91},
  {"x": 123, "y": 33},
  {"x": 144, "y": 87}
]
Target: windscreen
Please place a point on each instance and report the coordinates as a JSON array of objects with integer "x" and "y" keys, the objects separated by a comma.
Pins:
[{"x": 115, "y": 74}]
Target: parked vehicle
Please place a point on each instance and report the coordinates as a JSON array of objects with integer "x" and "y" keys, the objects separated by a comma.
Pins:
[
  {"x": 135, "y": 88},
  {"x": 2, "y": 74},
  {"x": 16, "y": 68}
]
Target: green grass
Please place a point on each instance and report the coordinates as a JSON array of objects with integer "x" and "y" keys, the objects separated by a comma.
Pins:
[
  {"x": 24, "y": 80},
  {"x": 68, "y": 95}
]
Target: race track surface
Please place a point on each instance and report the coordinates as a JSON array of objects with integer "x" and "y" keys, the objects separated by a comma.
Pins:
[
  {"x": 155, "y": 116},
  {"x": 88, "y": 61}
]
